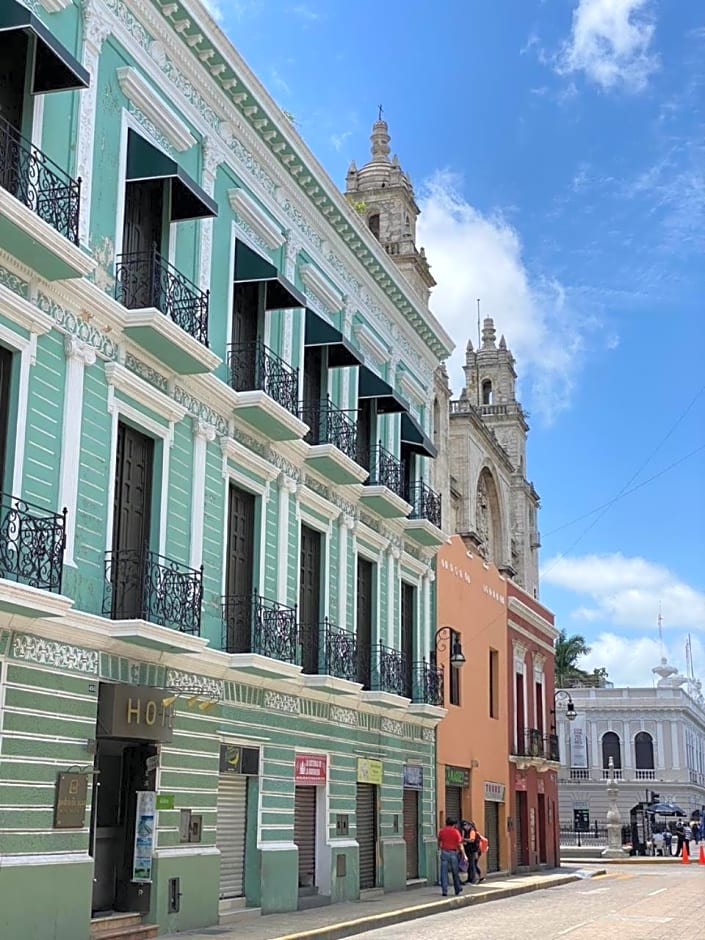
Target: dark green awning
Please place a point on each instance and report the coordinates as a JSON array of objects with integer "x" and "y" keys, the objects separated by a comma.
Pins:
[
  {"x": 372, "y": 386},
  {"x": 55, "y": 69},
  {"x": 415, "y": 438},
  {"x": 253, "y": 268},
  {"x": 341, "y": 352},
  {"x": 147, "y": 162}
]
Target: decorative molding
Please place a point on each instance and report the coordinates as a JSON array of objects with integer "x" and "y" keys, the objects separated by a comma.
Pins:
[
  {"x": 517, "y": 606},
  {"x": 389, "y": 726},
  {"x": 287, "y": 483},
  {"x": 248, "y": 210},
  {"x": 429, "y": 735},
  {"x": 36, "y": 649},
  {"x": 245, "y": 458},
  {"x": 203, "y": 431},
  {"x": 412, "y": 389},
  {"x": 370, "y": 344},
  {"x": 314, "y": 281},
  {"x": 189, "y": 681},
  {"x": 122, "y": 380},
  {"x": 55, "y": 6},
  {"x": 344, "y": 716},
  {"x": 282, "y": 703},
  {"x": 23, "y": 313},
  {"x": 76, "y": 349},
  {"x": 366, "y": 534},
  {"x": 317, "y": 502},
  {"x": 154, "y": 108}
]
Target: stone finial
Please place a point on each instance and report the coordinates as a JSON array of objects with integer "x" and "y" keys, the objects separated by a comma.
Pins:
[
  {"x": 469, "y": 348},
  {"x": 488, "y": 333},
  {"x": 502, "y": 342},
  {"x": 379, "y": 139}
]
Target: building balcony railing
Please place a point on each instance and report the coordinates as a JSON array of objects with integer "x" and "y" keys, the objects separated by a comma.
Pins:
[
  {"x": 391, "y": 671},
  {"x": 427, "y": 684},
  {"x": 426, "y": 503},
  {"x": 146, "y": 279},
  {"x": 328, "y": 650},
  {"x": 32, "y": 542},
  {"x": 39, "y": 183},
  {"x": 331, "y": 425},
  {"x": 386, "y": 470},
  {"x": 552, "y": 748},
  {"x": 142, "y": 585},
  {"x": 644, "y": 774},
  {"x": 533, "y": 743},
  {"x": 255, "y": 624},
  {"x": 577, "y": 773},
  {"x": 618, "y": 773},
  {"x": 253, "y": 366}
]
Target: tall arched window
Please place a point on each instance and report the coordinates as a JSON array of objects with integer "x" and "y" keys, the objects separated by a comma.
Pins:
[
  {"x": 644, "y": 751},
  {"x": 487, "y": 392},
  {"x": 373, "y": 225},
  {"x": 611, "y": 747}
]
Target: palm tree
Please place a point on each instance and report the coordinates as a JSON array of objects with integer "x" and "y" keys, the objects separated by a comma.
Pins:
[{"x": 568, "y": 650}]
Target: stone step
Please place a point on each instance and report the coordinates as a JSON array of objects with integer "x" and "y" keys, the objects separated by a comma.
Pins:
[{"x": 122, "y": 927}]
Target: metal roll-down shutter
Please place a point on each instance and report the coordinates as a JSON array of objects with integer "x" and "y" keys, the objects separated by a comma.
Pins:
[
  {"x": 411, "y": 832},
  {"x": 367, "y": 833},
  {"x": 305, "y": 834},
  {"x": 230, "y": 833}
]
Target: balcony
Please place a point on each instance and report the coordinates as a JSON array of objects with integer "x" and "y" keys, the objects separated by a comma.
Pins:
[
  {"x": 332, "y": 440},
  {"x": 39, "y": 209},
  {"x": 385, "y": 674},
  {"x": 32, "y": 544},
  {"x": 618, "y": 773},
  {"x": 427, "y": 688},
  {"x": 385, "y": 490},
  {"x": 145, "y": 591},
  {"x": 329, "y": 657},
  {"x": 258, "y": 631},
  {"x": 424, "y": 523},
  {"x": 644, "y": 774},
  {"x": 535, "y": 749},
  {"x": 168, "y": 313},
  {"x": 268, "y": 391}
]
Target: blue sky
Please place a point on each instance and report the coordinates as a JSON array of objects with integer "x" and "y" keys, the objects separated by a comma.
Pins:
[{"x": 558, "y": 155}]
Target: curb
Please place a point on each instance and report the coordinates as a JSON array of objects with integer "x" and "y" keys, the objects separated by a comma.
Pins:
[
  {"x": 634, "y": 860},
  {"x": 388, "y": 918}
]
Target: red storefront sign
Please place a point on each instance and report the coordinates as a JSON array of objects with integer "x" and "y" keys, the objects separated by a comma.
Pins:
[{"x": 310, "y": 768}]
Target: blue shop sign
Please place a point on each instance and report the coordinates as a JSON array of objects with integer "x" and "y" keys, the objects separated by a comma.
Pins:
[{"x": 413, "y": 777}]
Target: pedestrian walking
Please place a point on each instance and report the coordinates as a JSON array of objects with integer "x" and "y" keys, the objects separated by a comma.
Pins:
[{"x": 450, "y": 844}]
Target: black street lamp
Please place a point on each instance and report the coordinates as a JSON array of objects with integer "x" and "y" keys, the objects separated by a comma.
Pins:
[
  {"x": 445, "y": 635},
  {"x": 570, "y": 713}
]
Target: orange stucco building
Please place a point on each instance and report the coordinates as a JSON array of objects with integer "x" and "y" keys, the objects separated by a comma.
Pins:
[{"x": 473, "y": 738}]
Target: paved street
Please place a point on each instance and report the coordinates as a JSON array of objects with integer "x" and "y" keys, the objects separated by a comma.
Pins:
[{"x": 648, "y": 901}]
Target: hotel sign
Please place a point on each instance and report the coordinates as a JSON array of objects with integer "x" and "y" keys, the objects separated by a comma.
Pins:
[
  {"x": 134, "y": 711},
  {"x": 70, "y": 807}
]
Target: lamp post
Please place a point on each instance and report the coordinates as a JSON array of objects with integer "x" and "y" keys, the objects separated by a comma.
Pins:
[
  {"x": 570, "y": 713},
  {"x": 444, "y": 636}
]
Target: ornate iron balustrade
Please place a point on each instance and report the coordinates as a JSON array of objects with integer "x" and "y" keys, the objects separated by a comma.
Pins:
[
  {"x": 254, "y": 624},
  {"x": 253, "y": 365},
  {"x": 146, "y": 586},
  {"x": 428, "y": 683},
  {"x": 386, "y": 470},
  {"x": 39, "y": 183},
  {"x": 392, "y": 673},
  {"x": 552, "y": 749},
  {"x": 330, "y": 425},
  {"x": 339, "y": 652},
  {"x": 32, "y": 542},
  {"x": 530, "y": 743},
  {"x": 426, "y": 503},
  {"x": 146, "y": 279}
]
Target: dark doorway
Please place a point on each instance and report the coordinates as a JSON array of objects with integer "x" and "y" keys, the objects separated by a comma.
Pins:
[
  {"x": 522, "y": 829},
  {"x": 5, "y": 367},
  {"x": 411, "y": 832},
  {"x": 142, "y": 236},
  {"x": 365, "y": 586},
  {"x": 543, "y": 855},
  {"x": 131, "y": 521},
  {"x": 245, "y": 333},
  {"x": 240, "y": 571},
  {"x": 408, "y": 608},
  {"x": 14, "y": 46},
  {"x": 310, "y": 598},
  {"x": 365, "y": 431},
  {"x": 122, "y": 772}
]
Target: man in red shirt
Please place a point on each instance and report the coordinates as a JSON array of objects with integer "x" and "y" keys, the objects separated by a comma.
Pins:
[{"x": 450, "y": 842}]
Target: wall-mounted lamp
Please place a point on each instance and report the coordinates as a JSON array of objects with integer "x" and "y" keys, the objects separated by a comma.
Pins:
[
  {"x": 202, "y": 700},
  {"x": 570, "y": 712},
  {"x": 445, "y": 635}
]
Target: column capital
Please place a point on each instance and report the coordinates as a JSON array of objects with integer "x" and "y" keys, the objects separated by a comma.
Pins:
[
  {"x": 203, "y": 431},
  {"x": 76, "y": 349},
  {"x": 288, "y": 484}
]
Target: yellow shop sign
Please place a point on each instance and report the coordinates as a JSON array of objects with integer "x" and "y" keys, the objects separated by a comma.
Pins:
[{"x": 369, "y": 770}]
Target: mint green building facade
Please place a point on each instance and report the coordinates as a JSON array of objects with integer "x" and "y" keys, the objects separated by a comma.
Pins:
[{"x": 217, "y": 686}]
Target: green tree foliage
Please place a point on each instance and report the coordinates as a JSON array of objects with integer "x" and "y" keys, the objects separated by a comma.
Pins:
[{"x": 568, "y": 650}]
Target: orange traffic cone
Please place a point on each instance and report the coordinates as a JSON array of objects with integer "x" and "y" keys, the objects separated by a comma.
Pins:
[
  {"x": 701, "y": 859},
  {"x": 685, "y": 858}
]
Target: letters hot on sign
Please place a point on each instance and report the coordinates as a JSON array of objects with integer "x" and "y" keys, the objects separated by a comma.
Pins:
[{"x": 134, "y": 711}]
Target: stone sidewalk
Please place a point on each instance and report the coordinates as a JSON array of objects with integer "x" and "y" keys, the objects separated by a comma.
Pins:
[{"x": 355, "y": 917}]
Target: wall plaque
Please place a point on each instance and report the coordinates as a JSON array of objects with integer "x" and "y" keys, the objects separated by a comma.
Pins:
[{"x": 70, "y": 807}]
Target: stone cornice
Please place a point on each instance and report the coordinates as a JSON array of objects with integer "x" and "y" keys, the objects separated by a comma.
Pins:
[
  {"x": 146, "y": 100},
  {"x": 246, "y": 207},
  {"x": 147, "y": 395},
  {"x": 210, "y": 56},
  {"x": 315, "y": 282},
  {"x": 526, "y": 613}
]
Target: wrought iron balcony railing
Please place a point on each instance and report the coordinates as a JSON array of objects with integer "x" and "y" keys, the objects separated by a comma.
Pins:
[
  {"x": 391, "y": 671},
  {"x": 428, "y": 683},
  {"x": 331, "y": 425},
  {"x": 143, "y": 585},
  {"x": 32, "y": 543},
  {"x": 529, "y": 744},
  {"x": 146, "y": 279},
  {"x": 39, "y": 183},
  {"x": 339, "y": 652},
  {"x": 552, "y": 749},
  {"x": 254, "y": 624},
  {"x": 426, "y": 504},
  {"x": 386, "y": 470},
  {"x": 253, "y": 366}
]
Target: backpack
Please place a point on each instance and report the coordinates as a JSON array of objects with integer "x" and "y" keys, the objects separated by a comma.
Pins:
[{"x": 474, "y": 844}]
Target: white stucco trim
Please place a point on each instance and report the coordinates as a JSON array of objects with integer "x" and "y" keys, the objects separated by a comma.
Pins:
[
  {"x": 203, "y": 434},
  {"x": 155, "y": 108},
  {"x": 315, "y": 282},
  {"x": 266, "y": 228},
  {"x": 121, "y": 379}
]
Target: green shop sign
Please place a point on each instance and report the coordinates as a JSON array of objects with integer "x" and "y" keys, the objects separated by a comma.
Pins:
[
  {"x": 457, "y": 777},
  {"x": 165, "y": 800}
]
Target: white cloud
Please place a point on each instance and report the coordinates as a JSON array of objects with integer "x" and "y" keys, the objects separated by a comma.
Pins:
[
  {"x": 337, "y": 140},
  {"x": 626, "y": 592},
  {"x": 214, "y": 8},
  {"x": 306, "y": 13},
  {"x": 610, "y": 42},
  {"x": 629, "y": 661},
  {"x": 474, "y": 255}
]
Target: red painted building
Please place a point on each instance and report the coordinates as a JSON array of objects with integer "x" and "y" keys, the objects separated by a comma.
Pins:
[{"x": 533, "y": 745}]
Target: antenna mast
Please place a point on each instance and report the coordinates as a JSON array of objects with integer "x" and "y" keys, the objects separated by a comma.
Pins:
[{"x": 477, "y": 360}]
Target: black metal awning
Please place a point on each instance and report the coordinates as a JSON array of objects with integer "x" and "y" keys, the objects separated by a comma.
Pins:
[
  {"x": 55, "y": 69},
  {"x": 372, "y": 386},
  {"x": 415, "y": 438},
  {"x": 251, "y": 267},
  {"x": 341, "y": 351},
  {"x": 147, "y": 162}
]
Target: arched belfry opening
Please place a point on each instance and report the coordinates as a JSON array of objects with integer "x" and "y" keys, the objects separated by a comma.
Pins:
[
  {"x": 487, "y": 392},
  {"x": 488, "y": 521}
]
